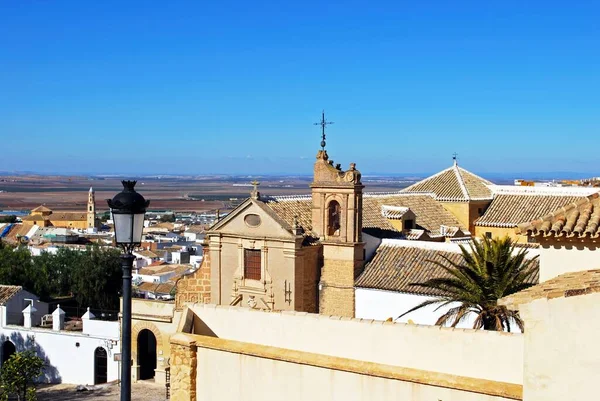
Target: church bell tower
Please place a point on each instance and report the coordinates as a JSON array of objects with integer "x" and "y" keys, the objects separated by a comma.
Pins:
[
  {"x": 91, "y": 209},
  {"x": 337, "y": 219}
]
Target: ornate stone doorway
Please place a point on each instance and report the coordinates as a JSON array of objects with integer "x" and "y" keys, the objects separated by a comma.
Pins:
[
  {"x": 146, "y": 353},
  {"x": 100, "y": 366}
]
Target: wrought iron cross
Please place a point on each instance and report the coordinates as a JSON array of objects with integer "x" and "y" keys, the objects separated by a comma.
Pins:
[
  {"x": 323, "y": 123},
  {"x": 454, "y": 156}
]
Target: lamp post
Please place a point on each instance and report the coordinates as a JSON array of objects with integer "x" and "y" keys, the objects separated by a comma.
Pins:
[{"x": 128, "y": 209}]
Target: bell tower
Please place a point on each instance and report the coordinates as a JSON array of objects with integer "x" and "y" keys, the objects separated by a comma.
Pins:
[
  {"x": 337, "y": 219},
  {"x": 91, "y": 209}
]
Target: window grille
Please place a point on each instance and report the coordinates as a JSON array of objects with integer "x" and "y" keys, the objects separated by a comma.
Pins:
[{"x": 252, "y": 268}]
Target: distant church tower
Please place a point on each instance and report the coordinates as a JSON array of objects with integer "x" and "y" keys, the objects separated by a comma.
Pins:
[
  {"x": 337, "y": 219},
  {"x": 91, "y": 209}
]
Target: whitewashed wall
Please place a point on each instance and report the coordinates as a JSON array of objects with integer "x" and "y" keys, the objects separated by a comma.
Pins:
[
  {"x": 381, "y": 305},
  {"x": 66, "y": 361}
]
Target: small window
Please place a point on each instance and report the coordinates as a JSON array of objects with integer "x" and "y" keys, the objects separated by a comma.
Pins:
[
  {"x": 488, "y": 235},
  {"x": 409, "y": 224},
  {"x": 90, "y": 208},
  {"x": 252, "y": 270},
  {"x": 531, "y": 240},
  {"x": 480, "y": 211}
]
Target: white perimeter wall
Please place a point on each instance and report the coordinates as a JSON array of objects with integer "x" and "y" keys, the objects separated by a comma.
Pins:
[
  {"x": 562, "y": 358},
  {"x": 381, "y": 305},
  {"x": 230, "y": 376},
  {"x": 565, "y": 258},
  {"x": 67, "y": 362},
  {"x": 453, "y": 351}
]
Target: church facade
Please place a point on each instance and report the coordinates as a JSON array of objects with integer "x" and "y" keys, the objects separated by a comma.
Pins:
[{"x": 45, "y": 217}]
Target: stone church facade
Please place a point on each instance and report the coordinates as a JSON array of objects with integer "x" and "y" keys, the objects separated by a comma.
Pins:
[{"x": 263, "y": 257}]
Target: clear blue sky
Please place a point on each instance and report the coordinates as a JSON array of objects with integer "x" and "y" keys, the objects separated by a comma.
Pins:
[{"x": 234, "y": 87}]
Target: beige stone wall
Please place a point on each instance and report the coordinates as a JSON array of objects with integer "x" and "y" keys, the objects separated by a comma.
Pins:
[
  {"x": 444, "y": 350},
  {"x": 466, "y": 212},
  {"x": 262, "y": 373},
  {"x": 183, "y": 368},
  {"x": 499, "y": 232},
  {"x": 196, "y": 286},
  {"x": 562, "y": 351},
  {"x": 161, "y": 319},
  {"x": 341, "y": 265},
  {"x": 564, "y": 256},
  {"x": 460, "y": 210}
]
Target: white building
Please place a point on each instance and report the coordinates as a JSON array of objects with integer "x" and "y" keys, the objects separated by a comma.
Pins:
[{"x": 74, "y": 352}]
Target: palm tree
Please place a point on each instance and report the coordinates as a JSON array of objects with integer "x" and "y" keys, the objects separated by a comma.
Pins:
[{"x": 489, "y": 270}]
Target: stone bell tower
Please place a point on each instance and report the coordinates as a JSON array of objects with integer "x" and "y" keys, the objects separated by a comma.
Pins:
[
  {"x": 91, "y": 209},
  {"x": 337, "y": 219}
]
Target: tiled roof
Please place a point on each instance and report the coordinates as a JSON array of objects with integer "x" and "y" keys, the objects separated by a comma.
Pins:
[
  {"x": 430, "y": 214},
  {"x": 393, "y": 212},
  {"x": 58, "y": 216},
  {"x": 565, "y": 285},
  {"x": 454, "y": 184},
  {"x": 511, "y": 210},
  {"x": 580, "y": 219},
  {"x": 41, "y": 208},
  {"x": 397, "y": 264},
  {"x": 146, "y": 254},
  {"x": 7, "y": 292},
  {"x": 162, "y": 288}
]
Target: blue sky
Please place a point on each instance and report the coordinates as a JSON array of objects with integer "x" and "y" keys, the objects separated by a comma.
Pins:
[{"x": 234, "y": 86}]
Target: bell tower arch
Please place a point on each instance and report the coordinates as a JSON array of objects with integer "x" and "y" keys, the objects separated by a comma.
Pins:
[{"x": 337, "y": 219}]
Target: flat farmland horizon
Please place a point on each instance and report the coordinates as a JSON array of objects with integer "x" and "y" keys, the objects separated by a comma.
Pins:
[{"x": 179, "y": 194}]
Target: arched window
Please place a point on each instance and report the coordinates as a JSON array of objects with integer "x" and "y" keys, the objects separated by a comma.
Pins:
[{"x": 333, "y": 218}]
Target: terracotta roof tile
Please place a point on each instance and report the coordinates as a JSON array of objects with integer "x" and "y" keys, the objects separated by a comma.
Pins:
[
  {"x": 580, "y": 219},
  {"x": 565, "y": 285},
  {"x": 430, "y": 214},
  {"x": 512, "y": 209},
  {"x": 7, "y": 292},
  {"x": 454, "y": 184},
  {"x": 397, "y": 265}
]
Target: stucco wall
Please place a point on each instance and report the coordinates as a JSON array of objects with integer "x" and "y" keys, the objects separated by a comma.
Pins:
[
  {"x": 562, "y": 352},
  {"x": 499, "y": 232},
  {"x": 557, "y": 258},
  {"x": 454, "y": 351},
  {"x": 249, "y": 378},
  {"x": 69, "y": 355}
]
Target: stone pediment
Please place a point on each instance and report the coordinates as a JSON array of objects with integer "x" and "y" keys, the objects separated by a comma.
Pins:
[{"x": 253, "y": 219}]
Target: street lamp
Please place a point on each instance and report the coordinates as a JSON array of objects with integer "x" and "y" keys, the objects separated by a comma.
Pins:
[{"x": 128, "y": 209}]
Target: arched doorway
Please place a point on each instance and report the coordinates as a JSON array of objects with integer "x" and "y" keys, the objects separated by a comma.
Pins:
[
  {"x": 100, "y": 366},
  {"x": 146, "y": 350},
  {"x": 8, "y": 348}
]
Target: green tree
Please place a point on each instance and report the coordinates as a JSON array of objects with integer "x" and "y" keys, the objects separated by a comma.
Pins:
[
  {"x": 8, "y": 219},
  {"x": 489, "y": 270},
  {"x": 96, "y": 277},
  {"x": 168, "y": 218},
  {"x": 18, "y": 375}
]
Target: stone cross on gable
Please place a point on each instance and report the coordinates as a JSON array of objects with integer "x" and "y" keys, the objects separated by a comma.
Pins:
[{"x": 454, "y": 157}]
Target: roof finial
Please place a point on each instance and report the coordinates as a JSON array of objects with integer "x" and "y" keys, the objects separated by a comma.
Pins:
[
  {"x": 455, "y": 158},
  {"x": 255, "y": 194},
  {"x": 323, "y": 123}
]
